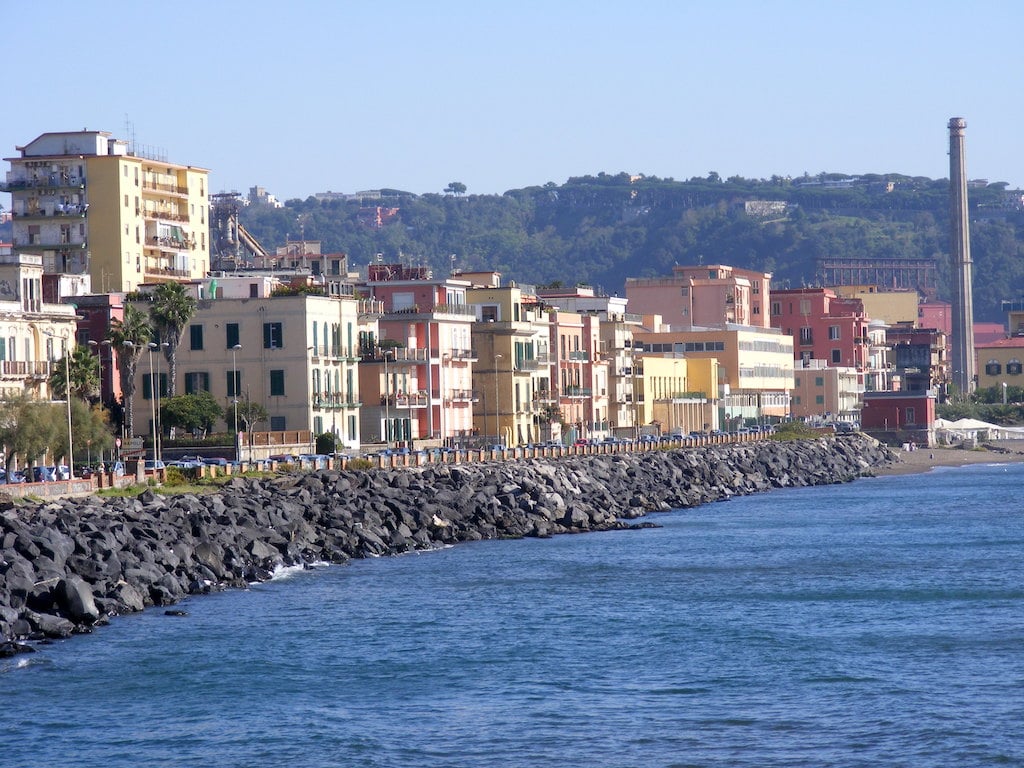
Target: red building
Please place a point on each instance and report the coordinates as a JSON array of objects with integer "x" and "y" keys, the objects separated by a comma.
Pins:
[
  {"x": 899, "y": 417},
  {"x": 824, "y": 326}
]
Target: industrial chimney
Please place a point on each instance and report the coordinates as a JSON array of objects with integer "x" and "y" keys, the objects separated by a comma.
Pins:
[{"x": 960, "y": 261}]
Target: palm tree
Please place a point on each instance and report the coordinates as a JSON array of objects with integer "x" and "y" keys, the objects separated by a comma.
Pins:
[
  {"x": 172, "y": 308},
  {"x": 129, "y": 337},
  {"x": 83, "y": 372}
]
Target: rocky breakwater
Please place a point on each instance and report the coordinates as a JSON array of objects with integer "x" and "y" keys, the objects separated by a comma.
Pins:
[{"x": 67, "y": 565}]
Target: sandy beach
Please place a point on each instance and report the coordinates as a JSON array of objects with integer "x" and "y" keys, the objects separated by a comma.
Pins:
[{"x": 925, "y": 459}]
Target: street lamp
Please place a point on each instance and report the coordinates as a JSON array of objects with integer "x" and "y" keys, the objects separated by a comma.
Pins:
[
  {"x": 153, "y": 394},
  {"x": 234, "y": 401},
  {"x": 497, "y": 415},
  {"x": 67, "y": 400},
  {"x": 1004, "y": 392},
  {"x": 387, "y": 402}
]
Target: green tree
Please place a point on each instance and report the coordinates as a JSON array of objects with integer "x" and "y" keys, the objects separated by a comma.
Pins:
[
  {"x": 249, "y": 415},
  {"x": 129, "y": 337},
  {"x": 31, "y": 428},
  {"x": 195, "y": 413},
  {"x": 91, "y": 429},
  {"x": 456, "y": 188},
  {"x": 83, "y": 372},
  {"x": 172, "y": 308}
]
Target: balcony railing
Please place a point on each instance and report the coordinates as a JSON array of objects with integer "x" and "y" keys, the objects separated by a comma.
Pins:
[
  {"x": 579, "y": 356},
  {"x": 527, "y": 365},
  {"x": 463, "y": 396},
  {"x": 334, "y": 400},
  {"x": 59, "y": 180},
  {"x": 36, "y": 242},
  {"x": 464, "y": 354},
  {"x": 59, "y": 210},
  {"x": 577, "y": 392},
  {"x": 39, "y": 369},
  {"x": 174, "y": 189}
]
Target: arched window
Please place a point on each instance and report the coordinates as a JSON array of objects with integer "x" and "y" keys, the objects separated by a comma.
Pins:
[
  {"x": 1013, "y": 367},
  {"x": 993, "y": 368}
]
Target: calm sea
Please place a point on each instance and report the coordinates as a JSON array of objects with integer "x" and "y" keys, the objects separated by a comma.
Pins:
[{"x": 879, "y": 623}]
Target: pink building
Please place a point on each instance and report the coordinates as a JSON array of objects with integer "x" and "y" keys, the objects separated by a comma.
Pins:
[
  {"x": 703, "y": 297},
  {"x": 424, "y": 356},
  {"x": 824, "y": 326}
]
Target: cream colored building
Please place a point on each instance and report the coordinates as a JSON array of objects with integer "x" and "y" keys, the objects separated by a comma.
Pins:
[
  {"x": 513, "y": 375},
  {"x": 755, "y": 367},
  {"x": 678, "y": 395},
  {"x": 295, "y": 354},
  {"x": 891, "y": 307},
  {"x": 87, "y": 203},
  {"x": 827, "y": 393},
  {"x": 33, "y": 334}
]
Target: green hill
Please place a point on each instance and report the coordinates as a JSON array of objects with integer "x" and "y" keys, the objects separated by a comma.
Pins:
[{"x": 599, "y": 230}]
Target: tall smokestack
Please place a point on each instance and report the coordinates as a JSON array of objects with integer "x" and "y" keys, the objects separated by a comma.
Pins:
[{"x": 960, "y": 261}]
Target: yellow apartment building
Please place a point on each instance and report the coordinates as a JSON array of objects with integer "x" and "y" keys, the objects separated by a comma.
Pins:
[
  {"x": 513, "y": 376},
  {"x": 755, "y": 367},
  {"x": 87, "y": 203}
]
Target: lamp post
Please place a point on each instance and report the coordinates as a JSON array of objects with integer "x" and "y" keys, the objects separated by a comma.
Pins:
[
  {"x": 67, "y": 400},
  {"x": 1004, "y": 392},
  {"x": 387, "y": 403},
  {"x": 234, "y": 401},
  {"x": 497, "y": 413},
  {"x": 152, "y": 399}
]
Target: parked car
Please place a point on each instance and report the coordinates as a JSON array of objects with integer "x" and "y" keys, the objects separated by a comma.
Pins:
[
  {"x": 152, "y": 465},
  {"x": 42, "y": 475},
  {"x": 61, "y": 472},
  {"x": 214, "y": 461}
]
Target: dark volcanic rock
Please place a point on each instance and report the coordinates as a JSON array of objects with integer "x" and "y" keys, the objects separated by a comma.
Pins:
[{"x": 66, "y": 565}]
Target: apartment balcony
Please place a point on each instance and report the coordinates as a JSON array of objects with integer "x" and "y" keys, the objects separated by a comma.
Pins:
[
  {"x": 170, "y": 244},
  {"x": 41, "y": 243},
  {"x": 46, "y": 181},
  {"x": 461, "y": 310},
  {"x": 334, "y": 401},
  {"x": 416, "y": 400},
  {"x": 577, "y": 393},
  {"x": 528, "y": 365},
  {"x": 170, "y": 189},
  {"x": 38, "y": 370},
  {"x": 163, "y": 271},
  {"x": 58, "y": 211},
  {"x": 466, "y": 355},
  {"x": 368, "y": 308},
  {"x": 463, "y": 396},
  {"x": 579, "y": 356},
  {"x": 162, "y": 214},
  {"x": 544, "y": 397}
]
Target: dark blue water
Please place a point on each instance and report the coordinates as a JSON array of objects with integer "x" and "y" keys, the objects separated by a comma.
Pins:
[{"x": 879, "y": 623}]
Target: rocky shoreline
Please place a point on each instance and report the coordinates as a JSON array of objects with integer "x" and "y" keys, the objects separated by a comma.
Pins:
[{"x": 68, "y": 565}]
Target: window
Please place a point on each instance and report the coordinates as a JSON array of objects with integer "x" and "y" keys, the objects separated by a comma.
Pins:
[
  {"x": 993, "y": 368},
  {"x": 195, "y": 333},
  {"x": 316, "y": 339},
  {"x": 231, "y": 334},
  {"x": 277, "y": 423},
  {"x": 277, "y": 383},
  {"x": 776, "y": 307},
  {"x": 833, "y": 332},
  {"x": 910, "y": 417},
  {"x": 488, "y": 313},
  {"x": 147, "y": 386},
  {"x": 837, "y": 356},
  {"x": 254, "y": 290},
  {"x": 272, "y": 336},
  {"x": 1013, "y": 367},
  {"x": 197, "y": 382},
  {"x": 234, "y": 383},
  {"x": 806, "y": 335},
  {"x": 819, "y": 381},
  {"x": 819, "y": 399}
]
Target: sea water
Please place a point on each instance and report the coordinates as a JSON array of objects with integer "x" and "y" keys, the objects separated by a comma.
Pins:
[{"x": 877, "y": 623}]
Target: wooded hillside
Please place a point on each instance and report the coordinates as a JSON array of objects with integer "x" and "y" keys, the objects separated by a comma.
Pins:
[{"x": 599, "y": 230}]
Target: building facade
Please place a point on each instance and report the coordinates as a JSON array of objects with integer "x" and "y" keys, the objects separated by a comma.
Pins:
[
  {"x": 86, "y": 203},
  {"x": 704, "y": 296}
]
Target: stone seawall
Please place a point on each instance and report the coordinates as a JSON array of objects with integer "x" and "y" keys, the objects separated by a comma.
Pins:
[{"x": 67, "y": 565}]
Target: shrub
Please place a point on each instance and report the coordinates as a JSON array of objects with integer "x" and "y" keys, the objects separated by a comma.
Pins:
[{"x": 359, "y": 464}]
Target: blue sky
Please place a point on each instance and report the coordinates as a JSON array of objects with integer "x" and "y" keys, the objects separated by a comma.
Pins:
[{"x": 308, "y": 96}]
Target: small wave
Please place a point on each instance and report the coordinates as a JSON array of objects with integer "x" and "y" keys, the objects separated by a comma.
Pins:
[{"x": 282, "y": 572}]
